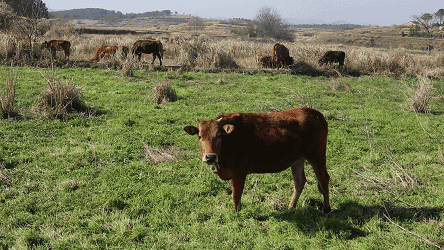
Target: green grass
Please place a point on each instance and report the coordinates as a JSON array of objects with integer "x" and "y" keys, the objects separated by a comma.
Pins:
[{"x": 82, "y": 182}]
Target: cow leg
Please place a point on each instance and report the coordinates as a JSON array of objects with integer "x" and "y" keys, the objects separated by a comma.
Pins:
[
  {"x": 158, "y": 56},
  {"x": 297, "y": 170},
  {"x": 237, "y": 188},
  {"x": 160, "y": 59},
  {"x": 320, "y": 169}
]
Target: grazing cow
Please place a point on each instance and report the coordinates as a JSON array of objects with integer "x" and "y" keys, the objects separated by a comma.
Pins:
[
  {"x": 237, "y": 144},
  {"x": 266, "y": 61},
  {"x": 333, "y": 57},
  {"x": 108, "y": 50},
  {"x": 282, "y": 55},
  {"x": 149, "y": 47},
  {"x": 55, "y": 45}
]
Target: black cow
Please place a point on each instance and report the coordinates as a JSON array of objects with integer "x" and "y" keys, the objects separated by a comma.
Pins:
[
  {"x": 333, "y": 57},
  {"x": 149, "y": 47},
  {"x": 282, "y": 55}
]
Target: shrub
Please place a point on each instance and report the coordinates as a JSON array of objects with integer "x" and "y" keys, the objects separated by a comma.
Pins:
[{"x": 164, "y": 93}]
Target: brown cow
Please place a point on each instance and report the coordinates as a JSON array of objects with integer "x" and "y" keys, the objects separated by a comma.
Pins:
[
  {"x": 108, "y": 50},
  {"x": 332, "y": 57},
  {"x": 55, "y": 45},
  {"x": 154, "y": 47},
  {"x": 266, "y": 61},
  {"x": 237, "y": 144},
  {"x": 282, "y": 55}
]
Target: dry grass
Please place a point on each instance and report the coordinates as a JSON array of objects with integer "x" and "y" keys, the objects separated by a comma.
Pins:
[
  {"x": 7, "y": 97},
  {"x": 216, "y": 47},
  {"x": 164, "y": 93},
  {"x": 156, "y": 156},
  {"x": 61, "y": 98},
  {"x": 420, "y": 95}
]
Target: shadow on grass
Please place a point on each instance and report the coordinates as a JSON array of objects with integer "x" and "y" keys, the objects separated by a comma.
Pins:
[
  {"x": 302, "y": 68},
  {"x": 346, "y": 221}
]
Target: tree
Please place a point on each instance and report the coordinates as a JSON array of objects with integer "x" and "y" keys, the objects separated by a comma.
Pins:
[
  {"x": 270, "y": 24},
  {"x": 6, "y": 15},
  {"x": 440, "y": 16},
  {"x": 27, "y": 25},
  {"x": 29, "y": 8},
  {"x": 427, "y": 21}
]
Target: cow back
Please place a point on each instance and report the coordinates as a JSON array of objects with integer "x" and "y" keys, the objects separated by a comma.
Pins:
[{"x": 270, "y": 142}]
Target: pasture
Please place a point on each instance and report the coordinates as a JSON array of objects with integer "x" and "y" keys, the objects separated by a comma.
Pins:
[{"x": 131, "y": 178}]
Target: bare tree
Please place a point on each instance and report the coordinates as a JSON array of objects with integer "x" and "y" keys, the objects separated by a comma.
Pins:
[
  {"x": 270, "y": 24},
  {"x": 31, "y": 25},
  {"x": 27, "y": 8}
]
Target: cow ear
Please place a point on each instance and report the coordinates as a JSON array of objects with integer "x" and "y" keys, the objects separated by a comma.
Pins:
[
  {"x": 228, "y": 128},
  {"x": 191, "y": 130}
]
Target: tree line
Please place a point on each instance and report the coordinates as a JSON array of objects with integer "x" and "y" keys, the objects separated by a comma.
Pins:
[{"x": 104, "y": 15}]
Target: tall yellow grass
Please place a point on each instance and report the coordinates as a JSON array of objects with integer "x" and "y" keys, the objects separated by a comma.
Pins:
[{"x": 201, "y": 50}]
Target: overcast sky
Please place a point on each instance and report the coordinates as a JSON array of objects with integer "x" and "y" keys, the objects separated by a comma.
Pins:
[{"x": 374, "y": 12}]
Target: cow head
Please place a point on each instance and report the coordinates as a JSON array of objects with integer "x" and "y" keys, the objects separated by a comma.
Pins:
[{"x": 211, "y": 133}]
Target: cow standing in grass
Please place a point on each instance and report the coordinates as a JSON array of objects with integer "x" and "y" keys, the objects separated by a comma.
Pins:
[
  {"x": 237, "y": 144},
  {"x": 282, "y": 55},
  {"x": 333, "y": 57},
  {"x": 109, "y": 50},
  {"x": 55, "y": 45},
  {"x": 149, "y": 47}
]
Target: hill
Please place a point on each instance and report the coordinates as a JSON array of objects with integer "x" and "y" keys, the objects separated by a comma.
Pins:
[{"x": 104, "y": 14}]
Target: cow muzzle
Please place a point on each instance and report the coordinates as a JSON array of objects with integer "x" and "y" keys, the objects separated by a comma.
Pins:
[{"x": 211, "y": 159}]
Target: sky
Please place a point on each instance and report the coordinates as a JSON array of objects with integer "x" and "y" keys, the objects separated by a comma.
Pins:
[{"x": 366, "y": 12}]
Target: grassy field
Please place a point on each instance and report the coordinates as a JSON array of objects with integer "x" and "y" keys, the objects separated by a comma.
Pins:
[{"x": 131, "y": 178}]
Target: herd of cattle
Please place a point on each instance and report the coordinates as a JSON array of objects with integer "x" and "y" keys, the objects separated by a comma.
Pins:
[
  {"x": 280, "y": 56},
  {"x": 140, "y": 47}
]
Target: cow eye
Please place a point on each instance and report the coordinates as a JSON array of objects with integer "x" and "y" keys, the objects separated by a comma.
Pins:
[{"x": 199, "y": 137}]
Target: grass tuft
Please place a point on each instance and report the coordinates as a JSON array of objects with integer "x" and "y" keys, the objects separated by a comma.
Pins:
[
  {"x": 156, "y": 156},
  {"x": 164, "y": 93},
  {"x": 7, "y": 98},
  {"x": 420, "y": 95}
]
